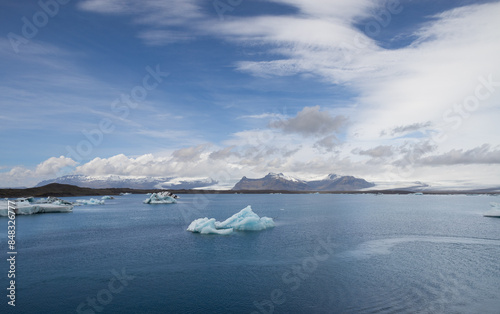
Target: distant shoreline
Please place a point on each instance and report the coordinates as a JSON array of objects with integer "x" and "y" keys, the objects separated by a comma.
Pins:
[{"x": 66, "y": 190}]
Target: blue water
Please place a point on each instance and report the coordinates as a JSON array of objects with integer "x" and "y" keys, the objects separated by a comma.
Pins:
[{"x": 327, "y": 254}]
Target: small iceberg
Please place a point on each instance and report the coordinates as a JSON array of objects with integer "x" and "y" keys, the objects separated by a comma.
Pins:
[
  {"x": 245, "y": 220},
  {"x": 125, "y": 193},
  {"x": 92, "y": 201},
  {"x": 161, "y": 198},
  {"x": 494, "y": 212},
  {"x": 107, "y": 197}
]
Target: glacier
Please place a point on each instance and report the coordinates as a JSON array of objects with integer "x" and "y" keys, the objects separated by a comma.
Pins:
[
  {"x": 160, "y": 198},
  {"x": 92, "y": 201},
  {"x": 244, "y": 220}
]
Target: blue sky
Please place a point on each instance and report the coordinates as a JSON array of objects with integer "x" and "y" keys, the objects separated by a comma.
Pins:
[{"x": 386, "y": 90}]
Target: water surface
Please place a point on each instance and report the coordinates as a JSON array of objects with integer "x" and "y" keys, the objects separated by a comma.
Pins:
[{"x": 327, "y": 254}]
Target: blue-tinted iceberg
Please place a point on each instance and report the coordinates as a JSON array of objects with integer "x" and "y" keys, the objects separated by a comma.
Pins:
[
  {"x": 160, "y": 198},
  {"x": 244, "y": 220},
  {"x": 92, "y": 201},
  {"x": 107, "y": 197}
]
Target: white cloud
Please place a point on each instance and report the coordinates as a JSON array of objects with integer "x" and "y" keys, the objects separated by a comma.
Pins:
[
  {"x": 402, "y": 86},
  {"x": 53, "y": 165},
  {"x": 20, "y": 176},
  {"x": 189, "y": 154}
]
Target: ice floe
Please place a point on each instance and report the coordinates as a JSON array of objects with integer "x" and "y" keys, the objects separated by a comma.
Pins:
[
  {"x": 244, "y": 220},
  {"x": 161, "y": 198},
  {"x": 92, "y": 201},
  {"x": 494, "y": 212}
]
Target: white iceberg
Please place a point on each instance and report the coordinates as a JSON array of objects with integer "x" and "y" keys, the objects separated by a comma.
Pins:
[
  {"x": 107, "y": 197},
  {"x": 51, "y": 200},
  {"x": 23, "y": 206},
  {"x": 125, "y": 193},
  {"x": 92, "y": 201},
  {"x": 207, "y": 226},
  {"x": 245, "y": 220},
  {"x": 160, "y": 198},
  {"x": 494, "y": 212}
]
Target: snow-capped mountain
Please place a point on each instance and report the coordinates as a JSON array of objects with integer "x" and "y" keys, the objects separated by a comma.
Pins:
[
  {"x": 272, "y": 181},
  {"x": 133, "y": 182},
  {"x": 334, "y": 182},
  {"x": 281, "y": 182}
]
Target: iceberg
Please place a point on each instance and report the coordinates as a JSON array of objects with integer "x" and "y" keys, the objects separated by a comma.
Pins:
[
  {"x": 160, "y": 198},
  {"x": 92, "y": 201},
  {"x": 107, "y": 197},
  {"x": 244, "y": 220},
  {"x": 51, "y": 200},
  {"x": 23, "y": 206},
  {"x": 207, "y": 226},
  {"x": 494, "y": 212},
  {"x": 125, "y": 193}
]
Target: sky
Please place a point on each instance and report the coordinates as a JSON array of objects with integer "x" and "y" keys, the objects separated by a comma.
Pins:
[{"x": 389, "y": 91}]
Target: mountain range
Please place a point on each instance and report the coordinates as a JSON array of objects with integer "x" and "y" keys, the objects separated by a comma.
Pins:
[
  {"x": 135, "y": 182},
  {"x": 272, "y": 182},
  {"x": 281, "y": 182}
]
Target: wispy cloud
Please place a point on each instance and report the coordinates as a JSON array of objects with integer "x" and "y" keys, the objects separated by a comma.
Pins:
[
  {"x": 266, "y": 115},
  {"x": 479, "y": 155},
  {"x": 410, "y": 128},
  {"x": 160, "y": 18},
  {"x": 176, "y": 135}
]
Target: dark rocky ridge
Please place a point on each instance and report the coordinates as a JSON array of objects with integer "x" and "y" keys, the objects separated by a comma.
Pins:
[{"x": 56, "y": 189}]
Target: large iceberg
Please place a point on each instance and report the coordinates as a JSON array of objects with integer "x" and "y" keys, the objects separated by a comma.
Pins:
[
  {"x": 92, "y": 201},
  {"x": 244, "y": 220},
  {"x": 27, "y": 206},
  {"x": 160, "y": 198}
]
